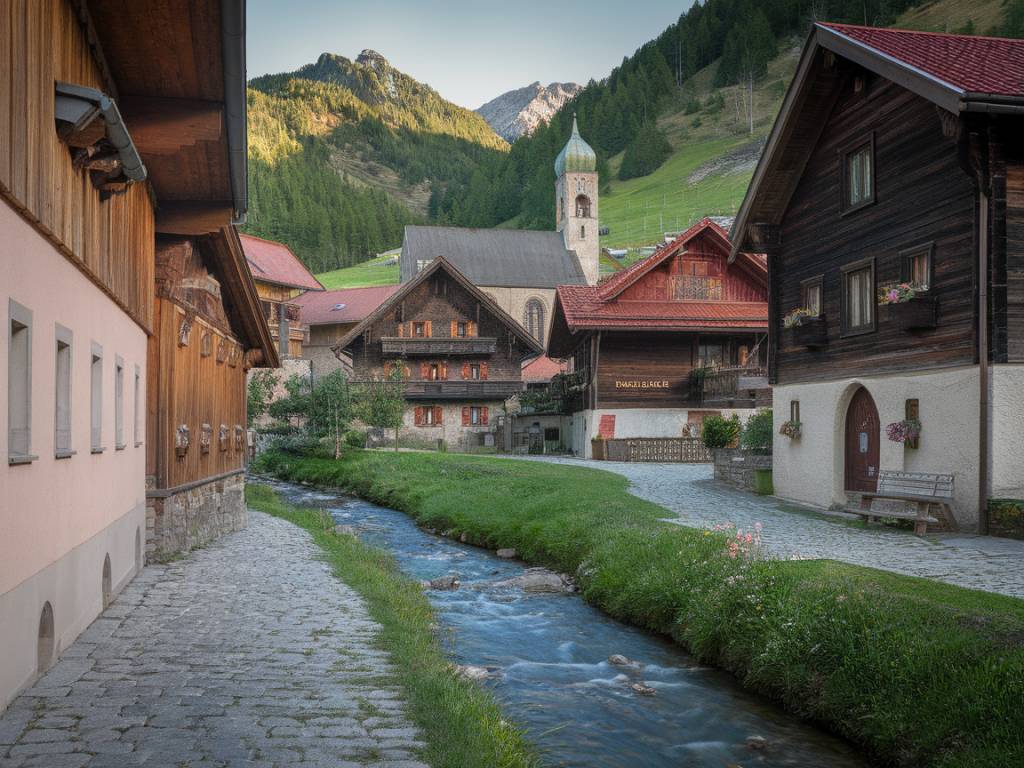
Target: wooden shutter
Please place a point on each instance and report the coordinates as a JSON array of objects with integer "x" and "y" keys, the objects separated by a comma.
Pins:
[
  {"x": 418, "y": 416},
  {"x": 455, "y": 328},
  {"x": 401, "y": 331},
  {"x": 465, "y": 416},
  {"x": 438, "y": 415},
  {"x": 443, "y": 371},
  {"x": 387, "y": 370},
  {"x": 465, "y": 371},
  {"x": 483, "y": 415},
  {"x": 428, "y": 329},
  {"x": 471, "y": 329},
  {"x": 424, "y": 370},
  {"x": 483, "y": 371}
]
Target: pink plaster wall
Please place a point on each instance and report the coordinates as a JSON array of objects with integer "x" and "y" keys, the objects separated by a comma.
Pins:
[{"x": 50, "y": 506}]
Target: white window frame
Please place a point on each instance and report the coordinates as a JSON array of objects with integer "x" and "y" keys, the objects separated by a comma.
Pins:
[
  {"x": 63, "y": 387},
  {"x": 19, "y": 438},
  {"x": 96, "y": 398}
]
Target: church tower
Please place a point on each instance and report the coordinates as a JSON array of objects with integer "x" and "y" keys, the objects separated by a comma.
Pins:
[{"x": 576, "y": 202}]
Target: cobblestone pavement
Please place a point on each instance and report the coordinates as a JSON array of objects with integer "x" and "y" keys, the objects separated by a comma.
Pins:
[
  {"x": 249, "y": 652},
  {"x": 688, "y": 490}
]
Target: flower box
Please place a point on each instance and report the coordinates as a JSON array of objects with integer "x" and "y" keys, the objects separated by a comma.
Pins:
[
  {"x": 811, "y": 332},
  {"x": 918, "y": 314}
]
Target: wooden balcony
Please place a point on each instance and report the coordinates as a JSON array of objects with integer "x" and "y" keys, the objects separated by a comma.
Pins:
[
  {"x": 735, "y": 388},
  {"x": 394, "y": 346},
  {"x": 461, "y": 390}
]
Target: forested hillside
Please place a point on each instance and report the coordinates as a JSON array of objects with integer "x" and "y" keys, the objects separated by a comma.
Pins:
[{"x": 343, "y": 154}]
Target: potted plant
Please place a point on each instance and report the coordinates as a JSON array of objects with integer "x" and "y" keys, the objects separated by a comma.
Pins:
[
  {"x": 804, "y": 328},
  {"x": 908, "y": 306},
  {"x": 790, "y": 429},
  {"x": 907, "y": 431}
]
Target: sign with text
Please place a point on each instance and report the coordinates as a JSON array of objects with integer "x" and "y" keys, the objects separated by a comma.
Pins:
[{"x": 642, "y": 384}]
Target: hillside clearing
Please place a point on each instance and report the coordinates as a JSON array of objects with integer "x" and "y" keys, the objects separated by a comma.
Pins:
[{"x": 376, "y": 271}]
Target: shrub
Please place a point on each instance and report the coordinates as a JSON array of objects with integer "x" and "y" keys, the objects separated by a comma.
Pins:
[
  {"x": 757, "y": 432},
  {"x": 720, "y": 432},
  {"x": 355, "y": 438},
  {"x": 692, "y": 107}
]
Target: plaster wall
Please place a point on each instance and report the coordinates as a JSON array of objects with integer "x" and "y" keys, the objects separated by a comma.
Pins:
[
  {"x": 1007, "y": 409},
  {"x": 811, "y": 469},
  {"x": 513, "y": 301}
]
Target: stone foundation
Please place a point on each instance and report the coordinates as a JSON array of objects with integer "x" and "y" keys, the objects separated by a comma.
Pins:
[
  {"x": 737, "y": 467},
  {"x": 193, "y": 517}
]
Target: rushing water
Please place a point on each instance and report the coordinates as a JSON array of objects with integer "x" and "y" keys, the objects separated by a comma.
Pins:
[{"x": 549, "y": 657}]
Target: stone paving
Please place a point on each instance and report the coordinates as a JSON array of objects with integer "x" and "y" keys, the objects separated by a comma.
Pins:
[
  {"x": 246, "y": 653},
  {"x": 688, "y": 490}
]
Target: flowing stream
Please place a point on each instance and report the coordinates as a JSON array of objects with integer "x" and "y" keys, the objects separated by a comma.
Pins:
[{"x": 548, "y": 659}]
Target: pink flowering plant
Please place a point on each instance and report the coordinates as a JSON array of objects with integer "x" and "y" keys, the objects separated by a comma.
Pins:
[
  {"x": 897, "y": 293},
  {"x": 790, "y": 429},
  {"x": 740, "y": 544},
  {"x": 906, "y": 431},
  {"x": 797, "y": 316}
]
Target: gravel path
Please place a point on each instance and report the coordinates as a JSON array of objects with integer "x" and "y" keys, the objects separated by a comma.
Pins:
[
  {"x": 688, "y": 490},
  {"x": 246, "y": 653}
]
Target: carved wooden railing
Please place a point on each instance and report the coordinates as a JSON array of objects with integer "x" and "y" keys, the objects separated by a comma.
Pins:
[
  {"x": 664, "y": 450},
  {"x": 395, "y": 346},
  {"x": 740, "y": 386}
]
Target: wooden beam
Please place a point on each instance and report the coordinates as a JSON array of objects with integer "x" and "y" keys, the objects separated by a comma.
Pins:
[
  {"x": 162, "y": 126},
  {"x": 193, "y": 217}
]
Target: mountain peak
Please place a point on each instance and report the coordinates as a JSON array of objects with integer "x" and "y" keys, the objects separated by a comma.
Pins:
[
  {"x": 370, "y": 58},
  {"x": 519, "y": 112}
]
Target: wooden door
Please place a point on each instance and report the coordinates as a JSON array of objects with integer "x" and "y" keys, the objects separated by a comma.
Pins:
[{"x": 863, "y": 437}]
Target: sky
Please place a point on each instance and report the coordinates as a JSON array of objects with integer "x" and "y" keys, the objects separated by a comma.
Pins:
[{"x": 468, "y": 51}]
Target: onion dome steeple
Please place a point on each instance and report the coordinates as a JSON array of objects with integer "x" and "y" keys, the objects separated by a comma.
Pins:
[{"x": 576, "y": 155}]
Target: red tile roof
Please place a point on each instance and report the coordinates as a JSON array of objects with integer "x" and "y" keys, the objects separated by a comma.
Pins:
[
  {"x": 542, "y": 369},
  {"x": 353, "y": 304},
  {"x": 273, "y": 262},
  {"x": 973, "y": 64}
]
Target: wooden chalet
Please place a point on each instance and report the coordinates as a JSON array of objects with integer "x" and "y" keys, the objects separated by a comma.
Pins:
[
  {"x": 890, "y": 203},
  {"x": 280, "y": 278},
  {"x": 130, "y": 313},
  {"x": 663, "y": 343},
  {"x": 460, "y": 353}
]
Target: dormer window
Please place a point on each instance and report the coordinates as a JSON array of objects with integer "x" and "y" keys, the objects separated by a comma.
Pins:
[{"x": 859, "y": 176}]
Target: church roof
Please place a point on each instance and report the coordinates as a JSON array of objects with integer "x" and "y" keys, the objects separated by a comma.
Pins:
[
  {"x": 576, "y": 155},
  {"x": 508, "y": 258}
]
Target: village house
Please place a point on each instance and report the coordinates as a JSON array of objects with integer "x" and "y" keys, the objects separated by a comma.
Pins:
[
  {"x": 890, "y": 203},
  {"x": 330, "y": 315},
  {"x": 518, "y": 268},
  {"x": 664, "y": 343},
  {"x": 130, "y": 315},
  {"x": 460, "y": 353},
  {"x": 280, "y": 279}
]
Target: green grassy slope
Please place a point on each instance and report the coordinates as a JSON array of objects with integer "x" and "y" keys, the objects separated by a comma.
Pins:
[
  {"x": 953, "y": 16},
  {"x": 361, "y": 275}
]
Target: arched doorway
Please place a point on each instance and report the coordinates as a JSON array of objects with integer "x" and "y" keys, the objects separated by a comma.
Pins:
[
  {"x": 863, "y": 443},
  {"x": 107, "y": 591},
  {"x": 44, "y": 647}
]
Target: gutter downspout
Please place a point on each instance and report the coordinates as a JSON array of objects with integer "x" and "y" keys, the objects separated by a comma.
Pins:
[
  {"x": 79, "y": 105},
  {"x": 232, "y": 33}
]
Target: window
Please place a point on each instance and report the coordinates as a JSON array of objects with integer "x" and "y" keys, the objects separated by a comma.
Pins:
[
  {"x": 474, "y": 371},
  {"x": 534, "y": 318},
  {"x": 582, "y": 207},
  {"x": 461, "y": 329},
  {"x": 583, "y": 232},
  {"x": 137, "y": 417},
  {"x": 916, "y": 265},
  {"x": 859, "y": 176},
  {"x": 474, "y": 416},
  {"x": 811, "y": 294},
  {"x": 794, "y": 411},
  {"x": 419, "y": 330},
  {"x": 19, "y": 384},
  {"x": 709, "y": 355},
  {"x": 118, "y": 403},
  {"x": 62, "y": 403},
  {"x": 858, "y": 297},
  {"x": 428, "y": 416},
  {"x": 96, "y": 399},
  {"x": 435, "y": 372}
]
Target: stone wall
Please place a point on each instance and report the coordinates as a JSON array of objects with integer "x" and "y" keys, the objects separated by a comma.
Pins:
[
  {"x": 194, "y": 517},
  {"x": 736, "y": 466}
]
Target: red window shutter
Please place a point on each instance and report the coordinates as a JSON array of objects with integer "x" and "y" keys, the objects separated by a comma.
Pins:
[
  {"x": 418, "y": 418},
  {"x": 387, "y": 370},
  {"x": 438, "y": 415},
  {"x": 483, "y": 415},
  {"x": 465, "y": 371},
  {"x": 424, "y": 370},
  {"x": 471, "y": 329},
  {"x": 483, "y": 371},
  {"x": 443, "y": 371},
  {"x": 465, "y": 415},
  {"x": 455, "y": 328}
]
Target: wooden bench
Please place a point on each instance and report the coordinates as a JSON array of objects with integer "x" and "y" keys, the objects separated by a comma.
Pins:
[{"x": 919, "y": 488}]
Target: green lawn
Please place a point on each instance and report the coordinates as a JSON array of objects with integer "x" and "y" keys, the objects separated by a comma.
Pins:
[
  {"x": 361, "y": 275},
  {"x": 464, "y": 727},
  {"x": 918, "y": 673}
]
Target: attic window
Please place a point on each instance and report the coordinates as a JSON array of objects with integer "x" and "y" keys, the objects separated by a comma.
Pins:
[
  {"x": 859, "y": 175},
  {"x": 337, "y": 307}
]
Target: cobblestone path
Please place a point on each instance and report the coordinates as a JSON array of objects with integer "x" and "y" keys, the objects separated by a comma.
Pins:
[
  {"x": 688, "y": 490},
  {"x": 246, "y": 653}
]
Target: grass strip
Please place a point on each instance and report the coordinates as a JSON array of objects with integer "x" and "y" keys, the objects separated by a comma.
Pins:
[
  {"x": 461, "y": 722},
  {"x": 917, "y": 672}
]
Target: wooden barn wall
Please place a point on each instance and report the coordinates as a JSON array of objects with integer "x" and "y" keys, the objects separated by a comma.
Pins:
[
  {"x": 424, "y": 303},
  {"x": 922, "y": 196},
  {"x": 111, "y": 241},
  {"x": 702, "y": 258},
  {"x": 1015, "y": 263}
]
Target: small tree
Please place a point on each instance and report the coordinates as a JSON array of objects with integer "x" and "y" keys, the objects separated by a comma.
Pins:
[
  {"x": 258, "y": 393},
  {"x": 720, "y": 432},
  {"x": 381, "y": 403},
  {"x": 758, "y": 431}
]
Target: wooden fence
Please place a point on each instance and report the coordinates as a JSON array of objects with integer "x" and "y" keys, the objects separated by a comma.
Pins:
[{"x": 663, "y": 450}]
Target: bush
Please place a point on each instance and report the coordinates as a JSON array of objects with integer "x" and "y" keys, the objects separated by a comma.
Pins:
[
  {"x": 757, "y": 432},
  {"x": 692, "y": 107},
  {"x": 297, "y": 445},
  {"x": 355, "y": 438},
  {"x": 720, "y": 432}
]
